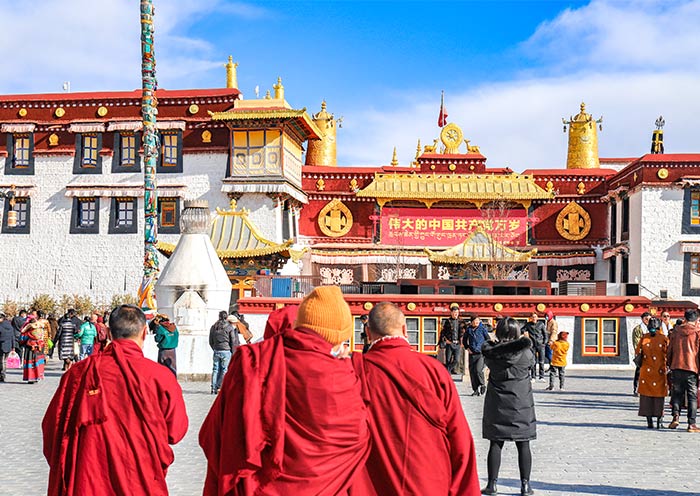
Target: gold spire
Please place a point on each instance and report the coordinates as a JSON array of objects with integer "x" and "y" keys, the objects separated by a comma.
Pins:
[
  {"x": 418, "y": 153},
  {"x": 583, "y": 140},
  {"x": 279, "y": 89},
  {"x": 394, "y": 159},
  {"x": 267, "y": 95},
  {"x": 231, "y": 73}
]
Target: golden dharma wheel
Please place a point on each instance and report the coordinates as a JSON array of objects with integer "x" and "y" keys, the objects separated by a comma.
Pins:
[
  {"x": 102, "y": 111},
  {"x": 662, "y": 174},
  {"x": 59, "y": 112},
  {"x": 22, "y": 112}
]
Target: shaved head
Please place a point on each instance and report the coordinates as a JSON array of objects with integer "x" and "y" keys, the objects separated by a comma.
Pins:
[{"x": 386, "y": 319}]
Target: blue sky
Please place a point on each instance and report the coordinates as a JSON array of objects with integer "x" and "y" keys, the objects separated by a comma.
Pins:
[{"x": 510, "y": 70}]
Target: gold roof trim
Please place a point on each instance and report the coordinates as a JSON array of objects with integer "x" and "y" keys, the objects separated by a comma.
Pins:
[
  {"x": 476, "y": 188},
  {"x": 235, "y": 236},
  {"x": 237, "y": 115},
  {"x": 479, "y": 247}
]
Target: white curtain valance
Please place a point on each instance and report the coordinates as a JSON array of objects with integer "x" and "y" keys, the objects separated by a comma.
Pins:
[
  {"x": 564, "y": 262},
  {"x": 21, "y": 190},
  {"x": 368, "y": 259},
  {"x": 690, "y": 246},
  {"x": 131, "y": 190},
  {"x": 90, "y": 127},
  {"x": 17, "y": 128},
  {"x": 124, "y": 126}
]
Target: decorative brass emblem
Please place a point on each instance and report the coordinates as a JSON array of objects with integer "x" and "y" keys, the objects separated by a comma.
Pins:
[
  {"x": 59, "y": 112},
  {"x": 22, "y": 112},
  {"x": 585, "y": 307},
  {"x": 581, "y": 188},
  {"x": 53, "y": 139},
  {"x": 498, "y": 307},
  {"x": 353, "y": 184},
  {"x": 550, "y": 186},
  {"x": 451, "y": 136},
  {"x": 411, "y": 306},
  {"x": 320, "y": 184},
  {"x": 193, "y": 109},
  {"x": 629, "y": 308},
  {"x": 662, "y": 174},
  {"x": 335, "y": 219},
  {"x": 206, "y": 136},
  {"x": 452, "y": 167},
  {"x": 573, "y": 222},
  {"x": 368, "y": 306},
  {"x": 541, "y": 307},
  {"x": 102, "y": 111}
]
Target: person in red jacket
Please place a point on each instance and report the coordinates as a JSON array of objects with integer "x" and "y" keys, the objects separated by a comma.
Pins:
[
  {"x": 421, "y": 442},
  {"x": 110, "y": 424}
]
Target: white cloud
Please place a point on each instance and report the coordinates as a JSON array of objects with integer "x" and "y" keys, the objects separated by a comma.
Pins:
[{"x": 597, "y": 54}]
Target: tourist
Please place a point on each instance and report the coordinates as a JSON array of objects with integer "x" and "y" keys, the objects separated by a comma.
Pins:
[
  {"x": 666, "y": 324},
  {"x": 421, "y": 442},
  {"x": 637, "y": 333},
  {"x": 7, "y": 343},
  {"x": 451, "y": 338},
  {"x": 223, "y": 339},
  {"x": 296, "y": 396},
  {"x": 109, "y": 425},
  {"x": 363, "y": 335},
  {"x": 683, "y": 359},
  {"x": 538, "y": 335},
  {"x": 53, "y": 330},
  {"x": 65, "y": 339},
  {"x": 33, "y": 342},
  {"x": 102, "y": 337},
  {"x": 166, "y": 336},
  {"x": 87, "y": 334},
  {"x": 474, "y": 337},
  {"x": 509, "y": 408},
  {"x": 552, "y": 332},
  {"x": 652, "y": 377},
  {"x": 560, "y": 348}
]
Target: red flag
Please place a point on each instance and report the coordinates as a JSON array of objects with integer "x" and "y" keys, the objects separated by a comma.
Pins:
[{"x": 442, "y": 118}]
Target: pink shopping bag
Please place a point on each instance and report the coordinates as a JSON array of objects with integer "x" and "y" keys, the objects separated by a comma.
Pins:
[{"x": 13, "y": 361}]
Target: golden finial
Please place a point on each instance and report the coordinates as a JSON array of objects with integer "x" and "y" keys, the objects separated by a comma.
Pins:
[
  {"x": 279, "y": 89},
  {"x": 581, "y": 188},
  {"x": 232, "y": 204},
  {"x": 231, "y": 73},
  {"x": 320, "y": 184},
  {"x": 323, "y": 106},
  {"x": 394, "y": 159},
  {"x": 267, "y": 95}
]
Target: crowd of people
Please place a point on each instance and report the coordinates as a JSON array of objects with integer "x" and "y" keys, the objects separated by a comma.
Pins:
[{"x": 299, "y": 413}]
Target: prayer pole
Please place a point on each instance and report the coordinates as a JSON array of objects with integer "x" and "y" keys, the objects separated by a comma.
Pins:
[{"x": 149, "y": 104}]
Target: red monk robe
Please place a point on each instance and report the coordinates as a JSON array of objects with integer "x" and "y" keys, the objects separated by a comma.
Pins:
[
  {"x": 421, "y": 442},
  {"x": 108, "y": 427},
  {"x": 289, "y": 420}
]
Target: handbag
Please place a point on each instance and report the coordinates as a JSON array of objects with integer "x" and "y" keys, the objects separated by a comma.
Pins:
[
  {"x": 638, "y": 360},
  {"x": 13, "y": 361}
]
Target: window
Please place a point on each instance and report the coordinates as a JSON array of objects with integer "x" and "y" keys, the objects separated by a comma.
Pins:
[
  {"x": 123, "y": 216},
  {"x": 691, "y": 274},
  {"x": 613, "y": 222},
  {"x": 625, "y": 218},
  {"x": 413, "y": 331},
  {"x": 21, "y": 206},
  {"x": 600, "y": 337},
  {"x": 695, "y": 208},
  {"x": 126, "y": 152},
  {"x": 169, "y": 215},
  {"x": 359, "y": 329},
  {"x": 87, "y": 154},
  {"x": 430, "y": 334},
  {"x": 85, "y": 217},
  {"x": 625, "y": 269},
  {"x": 170, "y": 152},
  {"x": 20, "y": 154},
  {"x": 612, "y": 263},
  {"x": 256, "y": 153}
]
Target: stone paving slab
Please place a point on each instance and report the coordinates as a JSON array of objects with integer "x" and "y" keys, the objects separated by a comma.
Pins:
[{"x": 590, "y": 441}]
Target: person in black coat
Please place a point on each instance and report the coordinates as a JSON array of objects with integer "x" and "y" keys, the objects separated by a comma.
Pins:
[
  {"x": 7, "y": 343},
  {"x": 538, "y": 335},
  {"x": 509, "y": 407}
]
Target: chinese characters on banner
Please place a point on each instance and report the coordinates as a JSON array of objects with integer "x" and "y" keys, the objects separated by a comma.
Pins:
[{"x": 448, "y": 227}]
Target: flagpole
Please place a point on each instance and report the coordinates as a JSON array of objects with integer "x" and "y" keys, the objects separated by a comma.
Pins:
[{"x": 149, "y": 104}]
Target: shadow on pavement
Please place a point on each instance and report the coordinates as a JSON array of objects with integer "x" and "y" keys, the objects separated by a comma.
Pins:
[
  {"x": 571, "y": 489},
  {"x": 595, "y": 424},
  {"x": 603, "y": 376}
]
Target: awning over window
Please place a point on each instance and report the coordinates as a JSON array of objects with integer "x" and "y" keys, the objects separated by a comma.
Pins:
[
  {"x": 325, "y": 257},
  {"x": 690, "y": 246},
  {"x": 123, "y": 190},
  {"x": 21, "y": 190},
  {"x": 17, "y": 128},
  {"x": 564, "y": 261},
  {"x": 279, "y": 187},
  {"x": 87, "y": 127}
]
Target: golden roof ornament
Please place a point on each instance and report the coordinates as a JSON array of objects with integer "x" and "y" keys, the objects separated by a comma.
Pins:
[
  {"x": 394, "y": 159},
  {"x": 657, "y": 137},
  {"x": 415, "y": 160},
  {"x": 451, "y": 137},
  {"x": 231, "y": 73},
  {"x": 279, "y": 89},
  {"x": 323, "y": 151},
  {"x": 583, "y": 140}
]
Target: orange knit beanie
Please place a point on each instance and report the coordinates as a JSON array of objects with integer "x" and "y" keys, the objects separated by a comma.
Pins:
[{"x": 325, "y": 312}]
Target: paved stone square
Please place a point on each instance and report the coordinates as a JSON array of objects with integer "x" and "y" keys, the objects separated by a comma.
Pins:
[{"x": 590, "y": 441}]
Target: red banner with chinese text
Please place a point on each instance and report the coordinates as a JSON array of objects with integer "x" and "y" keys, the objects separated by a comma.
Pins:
[{"x": 449, "y": 227}]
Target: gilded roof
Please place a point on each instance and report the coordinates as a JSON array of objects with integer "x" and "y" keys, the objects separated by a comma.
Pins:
[
  {"x": 269, "y": 113},
  {"x": 235, "y": 236},
  {"x": 480, "y": 188},
  {"x": 479, "y": 247}
]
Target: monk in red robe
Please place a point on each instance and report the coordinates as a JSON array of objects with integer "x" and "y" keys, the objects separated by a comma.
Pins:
[
  {"x": 109, "y": 427},
  {"x": 289, "y": 418},
  {"x": 421, "y": 442}
]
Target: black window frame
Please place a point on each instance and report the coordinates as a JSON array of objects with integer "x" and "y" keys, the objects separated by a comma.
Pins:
[
  {"x": 687, "y": 290},
  {"x": 612, "y": 269},
  {"x": 10, "y": 167},
  {"x": 613, "y": 222},
  {"x": 625, "y": 269},
  {"x": 624, "y": 235},
  {"x": 169, "y": 229},
  {"x": 114, "y": 227},
  {"x": 117, "y": 165},
  {"x": 169, "y": 169},
  {"x": 78, "y": 164},
  {"x": 26, "y": 228},
  {"x": 75, "y": 227},
  {"x": 687, "y": 227}
]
